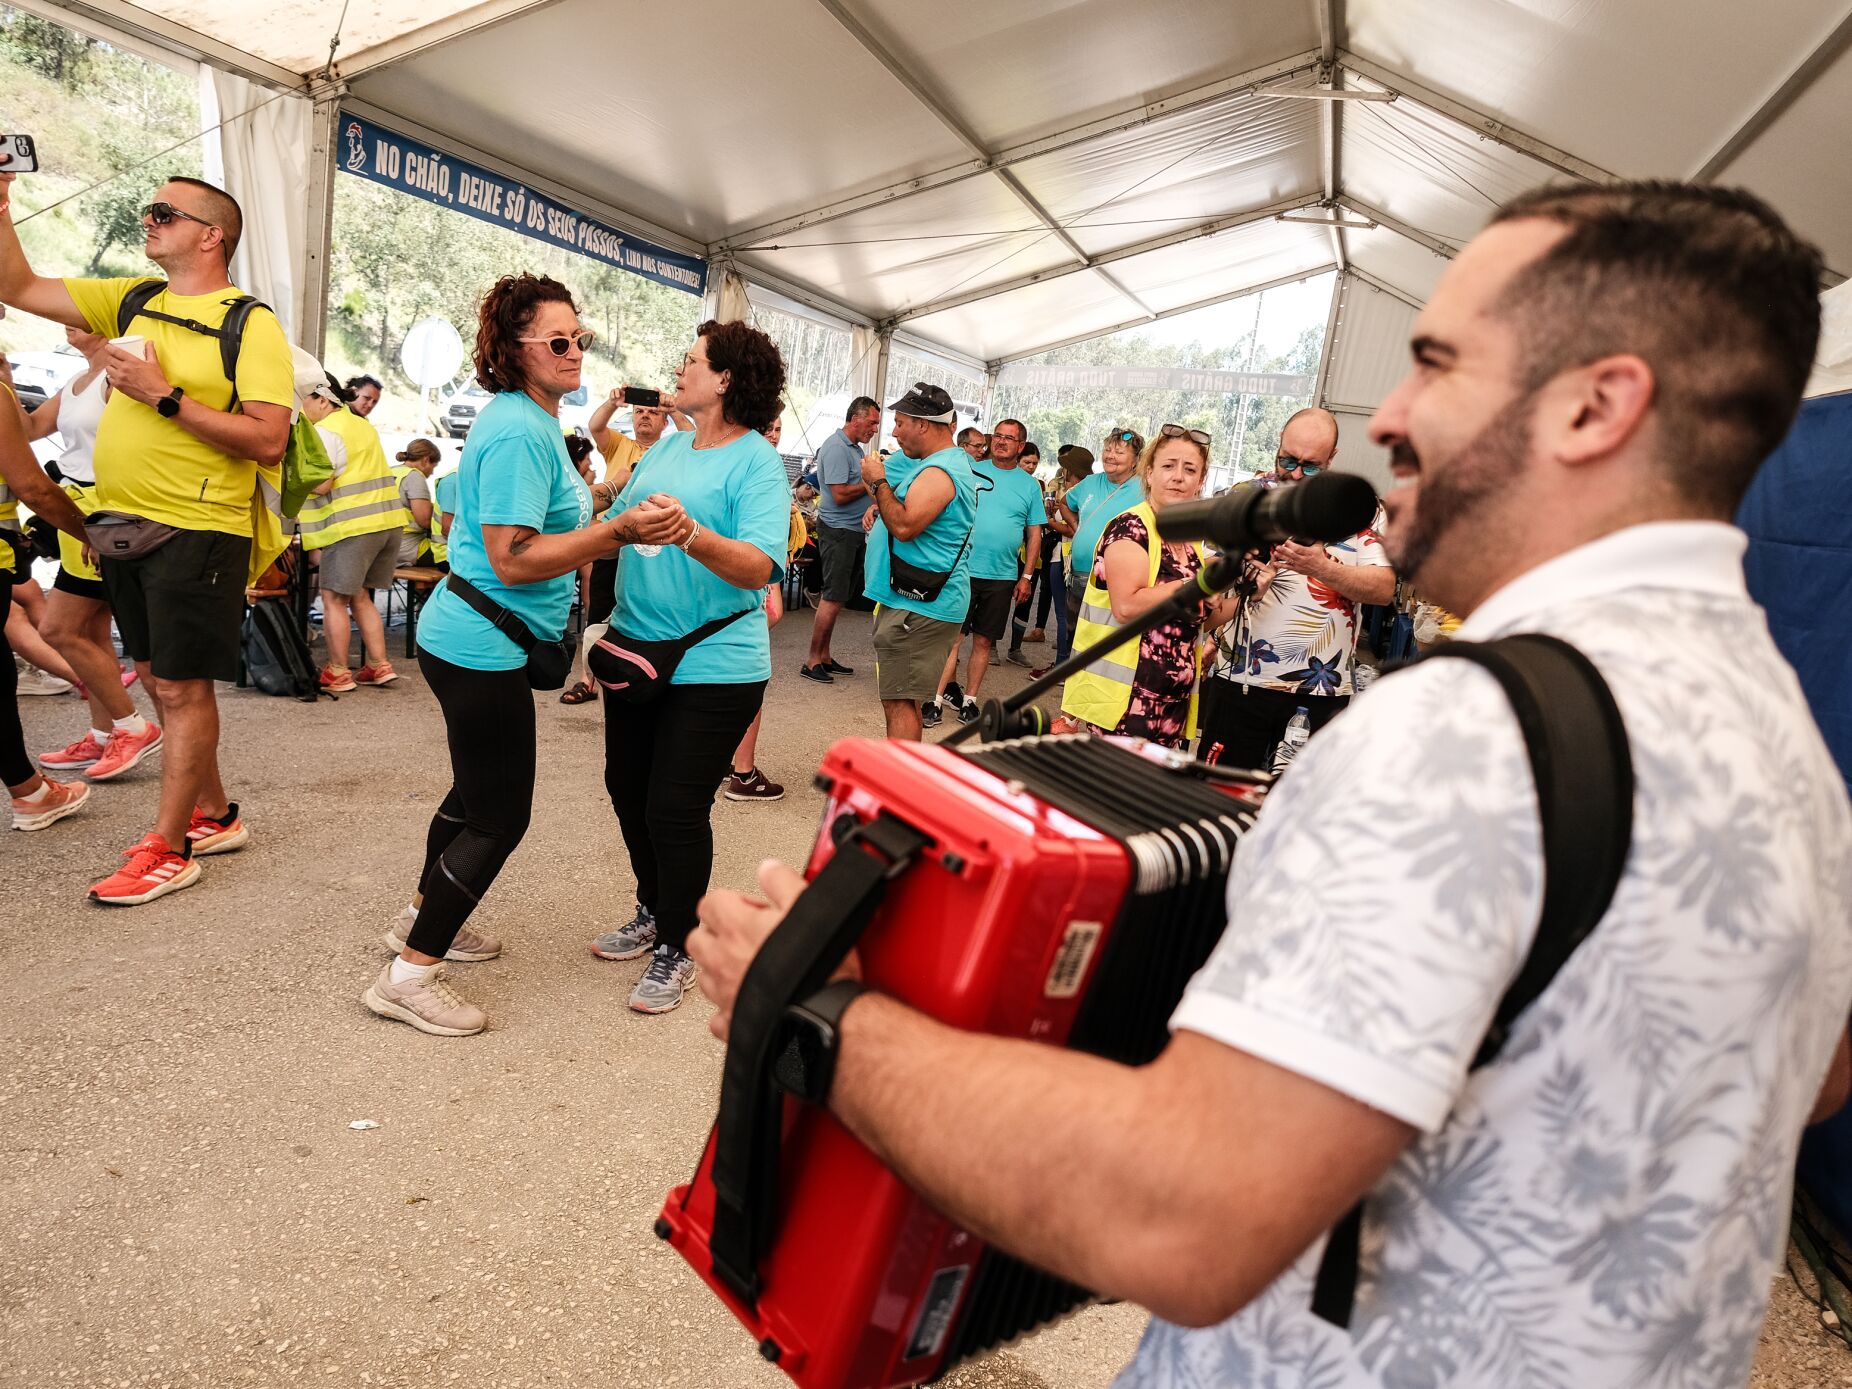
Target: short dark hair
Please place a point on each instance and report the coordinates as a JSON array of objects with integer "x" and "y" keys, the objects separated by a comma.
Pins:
[
  {"x": 1707, "y": 285},
  {"x": 859, "y": 405},
  {"x": 967, "y": 431},
  {"x": 505, "y": 314},
  {"x": 1030, "y": 446},
  {"x": 1021, "y": 428},
  {"x": 223, "y": 211},
  {"x": 357, "y": 384},
  {"x": 755, "y": 396}
]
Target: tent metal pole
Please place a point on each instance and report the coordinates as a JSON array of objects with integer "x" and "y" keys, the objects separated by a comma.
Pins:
[
  {"x": 1252, "y": 82},
  {"x": 1383, "y": 288},
  {"x": 1328, "y": 350},
  {"x": 884, "y": 351},
  {"x": 1156, "y": 243},
  {"x": 1770, "y": 110},
  {"x": 468, "y": 20},
  {"x": 1445, "y": 250},
  {"x": 324, "y": 147},
  {"x": 1474, "y": 119}
]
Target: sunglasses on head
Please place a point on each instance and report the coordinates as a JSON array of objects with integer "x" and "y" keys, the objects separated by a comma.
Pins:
[
  {"x": 1288, "y": 463},
  {"x": 560, "y": 345},
  {"x": 162, "y": 213},
  {"x": 1177, "y": 431},
  {"x": 1122, "y": 436}
]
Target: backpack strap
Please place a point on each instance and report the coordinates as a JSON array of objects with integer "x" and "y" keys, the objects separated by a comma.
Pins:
[
  {"x": 1583, "y": 768},
  {"x": 230, "y": 331}
]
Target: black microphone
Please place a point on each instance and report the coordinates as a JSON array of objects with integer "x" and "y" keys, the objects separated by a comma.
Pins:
[{"x": 1331, "y": 506}]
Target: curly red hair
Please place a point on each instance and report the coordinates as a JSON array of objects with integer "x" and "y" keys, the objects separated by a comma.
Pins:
[{"x": 503, "y": 318}]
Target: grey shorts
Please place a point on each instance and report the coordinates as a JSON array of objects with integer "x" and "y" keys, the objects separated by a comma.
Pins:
[
  {"x": 360, "y": 562},
  {"x": 910, "y": 652},
  {"x": 841, "y": 552}
]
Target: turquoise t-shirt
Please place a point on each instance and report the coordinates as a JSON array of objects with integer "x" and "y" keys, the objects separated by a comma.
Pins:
[
  {"x": 445, "y": 490},
  {"x": 1012, "y": 503},
  {"x": 938, "y": 546},
  {"x": 1095, "y": 500},
  {"x": 738, "y": 491},
  {"x": 514, "y": 472}
]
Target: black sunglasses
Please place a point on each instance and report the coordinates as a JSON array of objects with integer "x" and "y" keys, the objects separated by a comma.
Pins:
[
  {"x": 559, "y": 346},
  {"x": 1177, "y": 431},
  {"x": 1298, "y": 465},
  {"x": 162, "y": 213}
]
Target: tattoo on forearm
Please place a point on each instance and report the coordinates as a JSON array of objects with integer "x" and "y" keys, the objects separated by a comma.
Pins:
[{"x": 520, "y": 545}]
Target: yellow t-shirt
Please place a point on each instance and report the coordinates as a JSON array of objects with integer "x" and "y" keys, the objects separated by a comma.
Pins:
[
  {"x": 622, "y": 456},
  {"x": 8, "y": 401},
  {"x": 149, "y": 466}
]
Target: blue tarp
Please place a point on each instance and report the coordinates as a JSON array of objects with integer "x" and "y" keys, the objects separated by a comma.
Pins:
[{"x": 1799, "y": 519}]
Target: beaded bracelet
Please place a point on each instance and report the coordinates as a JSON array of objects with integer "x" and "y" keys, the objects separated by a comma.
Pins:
[{"x": 691, "y": 537}]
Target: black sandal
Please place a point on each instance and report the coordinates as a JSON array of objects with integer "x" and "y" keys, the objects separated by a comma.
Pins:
[{"x": 582, "y": 693}]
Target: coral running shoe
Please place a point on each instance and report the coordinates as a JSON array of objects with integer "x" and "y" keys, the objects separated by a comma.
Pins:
[
  {"x": 61, "y": 799},
  {"x": 124, "y": 750},
  {"x": 85, "y": 752},
  {"x": 337, "y": 679},
  {"x": 381, "y": 674},
  {"x": 153, "y": 870},
  {"x": 210, "y": 836}
]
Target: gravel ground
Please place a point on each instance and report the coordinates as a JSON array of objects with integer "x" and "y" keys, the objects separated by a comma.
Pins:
[{"x": 182, "y": 1200}]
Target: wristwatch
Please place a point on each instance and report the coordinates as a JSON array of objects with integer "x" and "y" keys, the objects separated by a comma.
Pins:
[
  {"x": 169, "y": 404},
  {"x": 807, "y": 1040}
]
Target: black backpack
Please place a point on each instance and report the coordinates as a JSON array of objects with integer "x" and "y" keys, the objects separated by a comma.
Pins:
[
  {"x": 230, "y": 333},
  {"x": 276, "y": 654},
  {"x": 1583, "y": 768}
]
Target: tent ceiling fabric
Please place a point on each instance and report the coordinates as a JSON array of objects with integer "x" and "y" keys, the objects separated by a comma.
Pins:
[{"x": 777, "y": 108}]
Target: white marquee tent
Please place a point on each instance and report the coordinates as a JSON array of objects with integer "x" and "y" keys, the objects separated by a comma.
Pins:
[{"x": 985, "y": 179}]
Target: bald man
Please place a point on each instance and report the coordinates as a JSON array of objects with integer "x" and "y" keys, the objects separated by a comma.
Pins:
[{"x": 1294, "y": 643}]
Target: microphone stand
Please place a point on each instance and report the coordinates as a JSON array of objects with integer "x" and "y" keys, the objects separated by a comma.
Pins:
[{"x": 1016, "y": 717}]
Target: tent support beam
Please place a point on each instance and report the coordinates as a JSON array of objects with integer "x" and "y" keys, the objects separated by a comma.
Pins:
[
  {"x": 312, "y": 293},
  {"x": 440, "y": 31},
  {"x": 940, "y": 111},
  {"x": 1487, "y": 127},
  {"x": 1331, "y": 117},
  {"x": 1208, "y": 303},
  {"x": 1156, "y": 243},
  {"x": 148, "y": 28},
  {"x": 1790, "y": 91},
  {"x": 1328, "y": 351},
  {"x": 1443, "y": 249},
  {"x": 1251, "y": 82},
  {"x": 1382, "y": 288}
]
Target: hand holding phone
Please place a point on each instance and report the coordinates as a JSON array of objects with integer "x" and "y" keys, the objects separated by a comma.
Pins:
[
  {"x": 642, "y": 395},
  {"x": 18, "y": 154}
]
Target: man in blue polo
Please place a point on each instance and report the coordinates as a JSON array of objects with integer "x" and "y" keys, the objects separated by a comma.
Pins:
[
  {"x": 842, "y": 497},
  {"x": 1010, "y": 517},
  {"x": 919, "y": 561}
]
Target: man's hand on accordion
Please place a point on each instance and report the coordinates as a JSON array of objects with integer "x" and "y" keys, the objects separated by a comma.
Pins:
[{"x": 733, "y": 927}]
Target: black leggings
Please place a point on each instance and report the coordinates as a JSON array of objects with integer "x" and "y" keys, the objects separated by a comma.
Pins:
[
  {"x": 489, "y": 722},
  {"x": 15, "y": 766},
  {"x": 663, "y": 763}
]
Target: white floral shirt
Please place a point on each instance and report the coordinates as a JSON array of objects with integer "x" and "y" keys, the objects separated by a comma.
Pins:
[{"x": 1604, "y": 1204}]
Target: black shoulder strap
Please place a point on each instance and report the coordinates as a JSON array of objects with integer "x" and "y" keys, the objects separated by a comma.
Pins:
[
  {"x": 504, "y": 620},
  {"x": 230, "y": 331},
  {"x": 1583, "y": 768}
]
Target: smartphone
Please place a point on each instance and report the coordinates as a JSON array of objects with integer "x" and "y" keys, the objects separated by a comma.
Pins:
[
  {"x": 641, "y": 395},
  {"x": 25, "y": 154}
]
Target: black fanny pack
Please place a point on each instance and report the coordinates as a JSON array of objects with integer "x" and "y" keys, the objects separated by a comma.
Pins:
[
  {"x": 635, "y": 671},
  {"x": 548, "y": 662}
]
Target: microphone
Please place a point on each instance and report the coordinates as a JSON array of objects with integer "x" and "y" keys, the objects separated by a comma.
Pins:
[{"x": 1331, "y": 506}]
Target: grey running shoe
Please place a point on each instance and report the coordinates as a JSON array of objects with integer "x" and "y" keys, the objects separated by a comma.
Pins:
[
  {"x": 430, "y": 1005},
  {"x": 627, "y": 941},
  {"x": 470, "y": 947},
  {"x": 1016, "y": 657},
  {"x": 665, "y": 981}
]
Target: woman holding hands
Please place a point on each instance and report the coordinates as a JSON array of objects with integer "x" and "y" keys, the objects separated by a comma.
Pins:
[{"x": 521, "y": 529}]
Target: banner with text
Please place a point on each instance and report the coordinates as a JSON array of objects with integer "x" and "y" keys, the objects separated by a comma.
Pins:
[
  {"x": 375, "y": 153},
  {"x": 1156, "y": 379}
]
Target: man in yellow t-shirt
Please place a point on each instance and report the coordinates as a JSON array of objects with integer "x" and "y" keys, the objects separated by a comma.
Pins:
[{"x": 179, "y": 448}]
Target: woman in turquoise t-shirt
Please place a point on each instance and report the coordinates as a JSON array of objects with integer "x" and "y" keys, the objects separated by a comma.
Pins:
[
  {"x": 519, "y": 533},
  {"x": 665, "y": 758}
]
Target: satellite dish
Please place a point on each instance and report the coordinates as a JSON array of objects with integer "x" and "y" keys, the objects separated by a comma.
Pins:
[{"x": 432, "y": 353}]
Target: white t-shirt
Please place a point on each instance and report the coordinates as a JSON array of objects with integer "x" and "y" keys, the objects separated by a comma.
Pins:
[
  {"x": 79, "y": 414},
  {"x": 1605, "y": 1204}
]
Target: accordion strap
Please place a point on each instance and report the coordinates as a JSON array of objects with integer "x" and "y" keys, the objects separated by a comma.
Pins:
[{"x": 795, "y": 961}]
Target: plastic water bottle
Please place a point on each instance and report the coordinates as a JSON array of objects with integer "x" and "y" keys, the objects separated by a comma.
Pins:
[{"x": 1298, "y": 733}]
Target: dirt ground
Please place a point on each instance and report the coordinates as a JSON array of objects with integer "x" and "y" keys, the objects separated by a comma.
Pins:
[{"x": 182, "y": 1198}]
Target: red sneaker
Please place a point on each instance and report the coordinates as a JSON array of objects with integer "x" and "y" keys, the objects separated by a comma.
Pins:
[
  {"x": 153, "y": 870},
  {"x": 381, "y": 674},
  {"x": 124, "y": 750},
  {"x": 337, "y": 679},
  {"x": 85, "y": 752},
  {"x": 210, "y": 836},
  {"x": 65, "y": 798}
]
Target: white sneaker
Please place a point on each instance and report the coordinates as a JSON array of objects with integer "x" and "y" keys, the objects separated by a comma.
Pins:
[{"x": 33, "y": 681}]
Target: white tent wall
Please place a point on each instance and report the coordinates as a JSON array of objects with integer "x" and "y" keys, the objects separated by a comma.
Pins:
[
  {"x": 1369, "y": 356},
  {"x": 262, "y": 157}
]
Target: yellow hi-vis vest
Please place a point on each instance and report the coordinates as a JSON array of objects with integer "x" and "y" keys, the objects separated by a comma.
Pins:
[
  {"x": 431, "y": 547},
  {"x": 1102, "y": 692},
  {"x": 365, "y": 498}
]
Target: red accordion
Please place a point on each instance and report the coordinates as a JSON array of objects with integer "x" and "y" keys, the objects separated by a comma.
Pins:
[{"x": 1059, "y": 889}]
